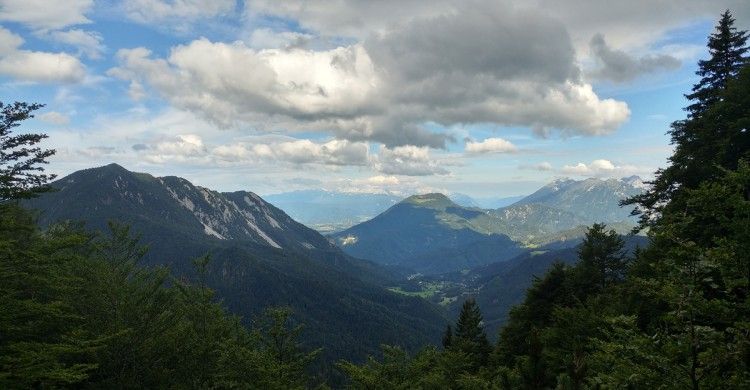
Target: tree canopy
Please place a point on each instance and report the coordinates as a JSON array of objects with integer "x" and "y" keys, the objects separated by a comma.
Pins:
[{"x": 21, "y": 158}]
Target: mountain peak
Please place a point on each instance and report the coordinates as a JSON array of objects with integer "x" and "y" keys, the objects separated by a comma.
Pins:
[
  {"x": 635, "y": 181},
  {"x": 174, "y": 204},
  {"x": 432, "y": 200}
]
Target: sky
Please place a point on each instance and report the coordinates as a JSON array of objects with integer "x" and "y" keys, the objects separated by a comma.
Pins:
[{"x": 488, "y": 98}]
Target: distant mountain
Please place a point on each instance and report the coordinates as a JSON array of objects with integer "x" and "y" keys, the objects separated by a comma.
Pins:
[
  {"x": 432, "y": 234},
  {"x": 429, "y": 234},
  {"x": 329, "y": 211},
  {"x": 463, "y": 200},
  {"x": 484, "y": 202},
  {"x": 594, "y": 200},
  {"x": 259, "y": 257}
]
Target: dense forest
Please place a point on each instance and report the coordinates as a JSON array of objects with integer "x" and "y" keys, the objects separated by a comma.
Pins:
[{"x": 77, "y": 310}]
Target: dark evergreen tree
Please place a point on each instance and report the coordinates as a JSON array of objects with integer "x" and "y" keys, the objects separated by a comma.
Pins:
[
  {"x": 602, "y": 259},
  {"x": 448, "y": 336},
  {"x": 20, "y": 171},
  {"x": 701, "y": 142},
  {"x": 727, "y": 48},
  {"x": 470, "y": 337},
  {"x": 534, "y": 313},
  {"x": 78, "y": 311}
]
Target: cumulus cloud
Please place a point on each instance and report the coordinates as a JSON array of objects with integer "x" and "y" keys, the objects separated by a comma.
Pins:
[
  {"x": 45, "y": 15},
  {"x": 161, "y": 11},
  {"x": 180, "y": 148},
  {"x": 481, "y": 65},
  {"x": 297, "y": 152},
  {"x": 270, "y": 150},
  {"x": 631, "y": 24},
  {"x": 618, "y": 66},
  {"x": 347, "y": 18},
  {"x": 409, "y": 161},
  {"x": 636, "y": 23},
  {"x": 214, "y": 80},
  {"x": 88, "y": 43},
  {"x": 36, "y": 66},
  {"x": 55, "y": 118},
  {"x": 490, "y": 145},
  {"x": 494, "y": 65},
  {"x": 266, "y": 38},
  {"x": 601, "y": 168}
]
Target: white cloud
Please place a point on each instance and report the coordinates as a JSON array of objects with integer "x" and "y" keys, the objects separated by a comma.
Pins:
[
  {"x": 265, "y": 38},
  {"x": 347, "y": 18},
  {"x": 179, "y": 12},
  {"x": 180, "y": 148},
  {"x": 55, "y": 118},
  {"x": 88, "y": 43},
  {"x": 46, "y": 15},
  {"x": 213, "y": 79},
  {"x": 297, "y": 152},
  {"x": 602, "y": 168},
  {"x": 35, "y": 66},
  {"x": 409, "y": 161},
  {"x": 136, "y": 90},
  {"x": 634, "y": 26},
  {"x": 518, "y": 70},
  {"x": 490, "y": 145}
]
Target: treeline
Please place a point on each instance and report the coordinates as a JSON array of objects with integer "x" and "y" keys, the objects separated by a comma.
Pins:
[
  {"x": 674, "y": 315},
  {"x": 76, "y": 309}
]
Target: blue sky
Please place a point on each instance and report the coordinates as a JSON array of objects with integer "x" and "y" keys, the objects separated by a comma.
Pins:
[{"x": 486, "y": 98}]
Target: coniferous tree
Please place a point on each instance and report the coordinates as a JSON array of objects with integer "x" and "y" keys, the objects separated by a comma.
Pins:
[
  {"x": 700, "y": 142},
  {"x": 727, "y": 48},
  {"x": 602, "y": 258},
  {"x": 470, "y": 337},
  {"x": 20, "y": 171},
  {"x": 448, "y": 336}
]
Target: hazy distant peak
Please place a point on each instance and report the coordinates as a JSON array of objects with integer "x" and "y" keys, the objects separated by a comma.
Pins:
[{"x": 634, "y": 181}]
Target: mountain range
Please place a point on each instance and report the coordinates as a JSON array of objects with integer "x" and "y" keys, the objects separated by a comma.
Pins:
[
  {"x": 333, "y": 211},
  {"x": 350, "y": 289},
  {"x": 484, "y": 202},
  {"x": 260, "y": 257},
  {"x": 431, "y": 234}
]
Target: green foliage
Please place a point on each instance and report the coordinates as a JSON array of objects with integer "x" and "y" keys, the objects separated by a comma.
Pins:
[
  {"x": 602, "y": 258},
  {"x": 339, "y": 299},
  {"x": 469, "y": 337},
  {"x": 727, "y": 48},
  {"x": 78, "y": 309},
  {"x": 20, "y": 159},
  {"x": 714, "y": 135}
]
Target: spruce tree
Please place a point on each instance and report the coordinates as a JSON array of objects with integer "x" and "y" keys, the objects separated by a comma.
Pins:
[
  {"x": 602, "y": 258},
  {"x": 20, "y": 158},
  {"x": 727, "y": 48},
  {"x": 701, "y": 141},
  {"x": 448, "y": 336},
  {"x": 470, "y": 337}
]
